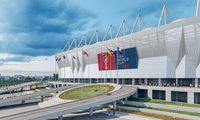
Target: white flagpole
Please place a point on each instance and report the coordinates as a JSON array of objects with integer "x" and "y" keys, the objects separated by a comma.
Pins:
[
  {"x": 82, "y": 66},
  {"x": 55, "y": 68},
  {"x": 89, "y": 73},
  {"x": 64, "y": 74},
  {"x": 73, "y": 68},
  {"x": 82, "y": 77},
  {"x": 106, "y": 68},
  {"x": 110, "y": 65},
  {"x": 60, "y": 72},
  {"x": 101, "y": 66},
  {"x": 73, "y": 77},
  {"x": 78, "y": 63},
  {"x": 104, "y": 60},
  {"x": 117, "y": 68},
  {"x": 64, "y": 67}
]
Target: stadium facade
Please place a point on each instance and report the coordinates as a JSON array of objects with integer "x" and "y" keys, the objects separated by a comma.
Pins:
[{"x": 163, "y": 62}]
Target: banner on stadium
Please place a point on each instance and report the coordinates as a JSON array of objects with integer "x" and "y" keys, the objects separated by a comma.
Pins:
[
  {"x": 120, "y": 59},
  {"x": 106, "y": 61}
]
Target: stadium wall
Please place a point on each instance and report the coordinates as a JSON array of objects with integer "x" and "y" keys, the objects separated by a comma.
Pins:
[{"x": 170, "y": 51}]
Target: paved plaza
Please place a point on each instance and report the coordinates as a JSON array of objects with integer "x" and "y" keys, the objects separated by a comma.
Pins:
[{"x": 105, "y": 116}]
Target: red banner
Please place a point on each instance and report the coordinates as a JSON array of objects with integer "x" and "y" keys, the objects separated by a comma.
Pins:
[{"x": 106, "y": 61}]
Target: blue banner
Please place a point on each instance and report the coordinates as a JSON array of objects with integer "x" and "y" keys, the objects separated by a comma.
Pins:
[{"x": 126, "y": 58}]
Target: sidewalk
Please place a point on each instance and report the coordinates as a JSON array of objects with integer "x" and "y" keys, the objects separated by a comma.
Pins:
[
  {"x": 189, "y": 117},
  {"x": 164, "y": 106}
]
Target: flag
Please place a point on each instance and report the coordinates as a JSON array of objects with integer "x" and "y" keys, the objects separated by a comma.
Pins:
[
  {"x": 105, "y": 61},
  {"x": 71, "y": 61},
  {"x": 56, "y": 59},
  {"x": 119, "y": 50},
  {"x": 63, "y": 56},
  {"x": 85, "y": 53},
  {"x": 105, "y": 58},
  {"x": 74, "y": 57},
  {"x": 109, "y": 51},
  {"x": 128, "y": 59},
  {"x": 103, "y": 54}
]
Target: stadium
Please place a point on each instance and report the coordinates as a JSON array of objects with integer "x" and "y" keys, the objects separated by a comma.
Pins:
[{"x": 163, "y": 62}]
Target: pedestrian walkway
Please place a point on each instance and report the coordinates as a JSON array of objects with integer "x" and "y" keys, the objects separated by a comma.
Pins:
[{"x": 105, "y": 116}]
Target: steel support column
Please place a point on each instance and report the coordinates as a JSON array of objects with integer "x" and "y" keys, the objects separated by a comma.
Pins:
[
  {"x": 42, "y": 98},
  {"x": 114, "y": 107},
  {"x": 91, "y": 111},
  {"x": 60, "y": 117}
]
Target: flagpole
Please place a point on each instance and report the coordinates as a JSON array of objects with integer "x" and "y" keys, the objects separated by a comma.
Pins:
[
  {"x": 83, "y": 62},
  {"x": 103, "y": 61},
  {"x": 60, "y": 73},
  {"x": 73, "y": 70},
  {"x": 106, "y": 69},
  {"x": 82, "y": 79},
  {"x": 110, "y": 65},
  {"x": 78, "y": 63},
  {"x": 64, "y": 67},
  {"x": 117, "y": 69},
  {"x": 101, "y": 66},
  {"x": 55, "y": 69},
  {"x": 73, "y": 77},
  {"x": 125, "y": 59},
  {"x": 89, "y": 74},
  {"x": 81, "y": 67},
  {"x": 64, "y": 73}
]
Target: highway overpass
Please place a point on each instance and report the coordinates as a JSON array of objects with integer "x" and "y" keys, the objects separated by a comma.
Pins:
[
  {"x": 12, "y": 88},
  {"x": 22, "y": 98},
  {"x": 61, "y": 109}
]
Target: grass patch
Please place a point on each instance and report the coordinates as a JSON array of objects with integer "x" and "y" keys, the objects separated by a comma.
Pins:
[
  {"x": 168, "y": 110},
  {"x": 163, "y": 117},
  {"x": 86, "y": 92},
  {"x": 175, "y": 111},
  {"x": 164, "y": 102}
]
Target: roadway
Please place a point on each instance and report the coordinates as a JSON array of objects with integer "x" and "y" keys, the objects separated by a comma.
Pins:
[
  {"x": 11, "y": 88},
  {"x": 6, "y": 102},
  {"x": 64, "y": 108}
]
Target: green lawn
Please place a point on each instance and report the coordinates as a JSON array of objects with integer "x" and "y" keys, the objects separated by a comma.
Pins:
[
  {"x": 165, "y": 102},
  {"x": 86, "y": 92},
  {"x": 159, "y": 116},
  {"x": 176, "y": 111},
  {"x": 168, "y": 110}
]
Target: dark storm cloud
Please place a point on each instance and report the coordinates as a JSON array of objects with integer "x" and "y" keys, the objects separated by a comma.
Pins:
[{"x": 39, "y": 27}]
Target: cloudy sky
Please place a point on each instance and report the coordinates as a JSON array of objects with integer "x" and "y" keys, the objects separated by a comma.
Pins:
[{"x": 33, "y": 31}]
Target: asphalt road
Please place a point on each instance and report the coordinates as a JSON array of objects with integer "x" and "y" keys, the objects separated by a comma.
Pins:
[
  {"x": 11, "y": 88},
  {"x": 32, "y": 95},
  {"x": 58, "y": 110}
]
